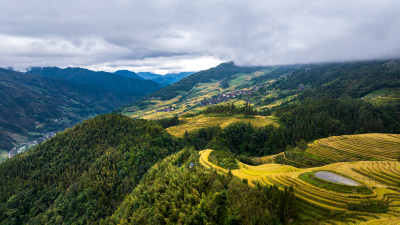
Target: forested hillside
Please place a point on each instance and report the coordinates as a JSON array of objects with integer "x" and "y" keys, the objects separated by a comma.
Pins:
[
  {"x": 83, "y": 174},
  {"x": 353, "y": 79}
]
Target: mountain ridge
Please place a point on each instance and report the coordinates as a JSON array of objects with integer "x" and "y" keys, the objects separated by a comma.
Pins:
[{"x": 128, "y": 88}]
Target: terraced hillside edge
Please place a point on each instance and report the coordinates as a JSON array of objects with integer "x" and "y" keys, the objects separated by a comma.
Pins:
[
  {"x": 325, "y": 202},
  {"x": 357, "y": 147},
  {"x": 191, "y": 124},
  {"x": 344, "y": 148}
]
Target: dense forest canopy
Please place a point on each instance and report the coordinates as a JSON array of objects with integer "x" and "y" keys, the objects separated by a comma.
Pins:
[
  {"x": 82, "y": 174},
  {"x": 354, "y": 79}
]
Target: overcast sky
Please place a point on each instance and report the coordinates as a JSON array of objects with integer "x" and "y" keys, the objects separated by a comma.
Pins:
[{"x": 180, "y": 35}]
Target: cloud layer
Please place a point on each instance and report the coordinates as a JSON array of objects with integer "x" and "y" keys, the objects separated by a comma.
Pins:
[{"x": 176, "y": 35}]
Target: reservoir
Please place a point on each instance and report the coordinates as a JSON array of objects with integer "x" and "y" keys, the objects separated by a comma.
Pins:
[{"x": 335, "y": 178}]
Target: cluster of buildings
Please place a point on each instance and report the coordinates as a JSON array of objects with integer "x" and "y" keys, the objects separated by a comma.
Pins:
[
  {"x": 226, "y": 97},
  {"x": 30, "y": 144},
  {"x": 167, "y": 109},
  {"x": 216, "y": 99}
]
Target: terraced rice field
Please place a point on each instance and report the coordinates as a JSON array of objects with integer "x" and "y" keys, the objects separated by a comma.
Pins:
[
  {"x": 201, "y": 121},
  {"x": 330, "y": 206},
  {"x": 384, "y": 96},
  {"x": 385, "y": 221},
  {"x": 357, "y": 147}
]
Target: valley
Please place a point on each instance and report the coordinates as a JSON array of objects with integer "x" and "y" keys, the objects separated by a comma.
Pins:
[
  {"x": 200, "y": 113},
  {"x": 51, "y": 99}
]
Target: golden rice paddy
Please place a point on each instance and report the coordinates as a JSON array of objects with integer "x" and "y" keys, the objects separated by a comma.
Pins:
[
  {"x": 381, "y": 176},
  {"x": 201, "y": 121}
]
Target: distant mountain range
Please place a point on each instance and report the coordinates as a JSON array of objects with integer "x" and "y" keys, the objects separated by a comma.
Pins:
[
  {"x": 52, "y": 99},
  {"x": 128, "y": 89}
]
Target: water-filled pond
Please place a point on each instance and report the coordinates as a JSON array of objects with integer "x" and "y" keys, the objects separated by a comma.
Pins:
[{"x": 335, "y": 178}]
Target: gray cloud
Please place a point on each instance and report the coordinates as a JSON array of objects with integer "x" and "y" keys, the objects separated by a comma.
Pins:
[{"x": 175, "y": 35}]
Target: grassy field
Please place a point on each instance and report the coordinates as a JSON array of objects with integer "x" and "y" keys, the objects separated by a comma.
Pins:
[
  {"x": 201, "y": 121},
  {"x": 321, "y": 203}
]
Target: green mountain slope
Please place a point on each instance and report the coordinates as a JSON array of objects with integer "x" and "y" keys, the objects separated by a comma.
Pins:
[
  {"x": 355, "y": 79},
  {"x": 81, "y": 175}
]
